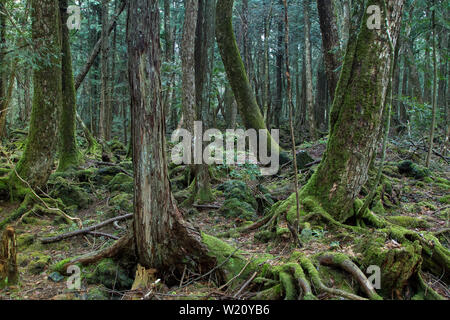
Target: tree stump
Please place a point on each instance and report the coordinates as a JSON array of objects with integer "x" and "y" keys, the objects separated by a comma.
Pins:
[{"x": 9, "y": 273}]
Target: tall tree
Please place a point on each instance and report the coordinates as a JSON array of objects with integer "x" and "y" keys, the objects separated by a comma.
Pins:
[
  {"x": 69, "y": 154},
  {"x": 237, "y": 77},
  {"x": 163, "y": 239},
  {"x": 37, "y": 160},
  {"x": 308, "y": 72},
  {"x": 330, "y": 42},
  {"x": 105, "y": 106},
  {"x": 358, "y": 108}
]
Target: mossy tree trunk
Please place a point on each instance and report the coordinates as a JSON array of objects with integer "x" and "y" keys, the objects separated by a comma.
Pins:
[
  {"x": 68, "y": 151},
  {"x": 245, "y": 98},
  {"x": 163, "y": 239},
  {"x": 37, "y": 160},
  {"x": 358, "y": 108}
]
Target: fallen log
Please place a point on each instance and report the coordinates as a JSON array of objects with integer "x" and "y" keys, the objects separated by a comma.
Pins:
[{"x": 84, "y": 230}]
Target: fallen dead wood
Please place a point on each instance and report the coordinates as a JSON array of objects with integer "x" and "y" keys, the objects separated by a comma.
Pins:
[
  {"x": 206, "y": 206},
  {"x": 85, "y": 230}
]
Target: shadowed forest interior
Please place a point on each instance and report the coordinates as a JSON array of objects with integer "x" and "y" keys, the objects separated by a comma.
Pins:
[{"x": 111, "y": 109}]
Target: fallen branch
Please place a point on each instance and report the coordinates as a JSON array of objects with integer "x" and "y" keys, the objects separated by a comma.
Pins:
[
  {"x": 85, "y": 230},
  {"x": 102, "y": 234}
]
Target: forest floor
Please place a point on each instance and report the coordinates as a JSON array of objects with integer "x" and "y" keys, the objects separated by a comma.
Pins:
[{"x": 98, "y": 191}]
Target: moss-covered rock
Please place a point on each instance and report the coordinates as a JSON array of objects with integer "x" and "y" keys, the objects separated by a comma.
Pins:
[
  {"x": 234, "y": 208},
  {"x": 123, "y": 201},
  {"x": 413, "y": 170},
  {"x": 110, "y": 274},
  {"x": 104, "y": 175},
  {"x": 445, "y": 199},
  {"x": 69, "y": 193},
  {"x": 122, "y": 183},
  {"x": 25, "y": 240},
  {"x": 237, "y": 189}
]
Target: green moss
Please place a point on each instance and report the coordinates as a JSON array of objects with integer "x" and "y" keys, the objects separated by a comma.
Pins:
[
  {"x": 234, "y": 208},
  {"x": 442, "y": 186},
  {"x": 25, "y": 240},
  {"x": 123, "y": 201},
  {"x": 111, "y": 275},
  {"x": 69, "y": 193},
  {"x": 288, "y": 287},
  {"x": 445, "y": 199},
  {"x": 97, "y": 293},
  {"x": 426, "y": 204},
  {"x": 264, "y": 236},
  {"x": 36, "y": 262},
  {"x": 397, "y": 264},
  {"x": 408, "y": 222},
  {"x": 121, "y": 183},
  {"x": 413, "y": 170}
]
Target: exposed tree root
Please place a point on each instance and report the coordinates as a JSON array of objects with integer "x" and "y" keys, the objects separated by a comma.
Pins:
[
  {"x": 124, "y": 243},
  {"x": 342, "y": 261}
]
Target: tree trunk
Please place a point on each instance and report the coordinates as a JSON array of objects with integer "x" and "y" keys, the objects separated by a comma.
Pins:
[
  {"x": 105, "y": 110},
  {"x": 235, "y": 70},
  {"x": 36, "y": 163},
  {"x": 68, "y": 150},
  {"x": 360, "y": 99},
  {"x": 163, "y": 239},
  {"x": 308, "y": 73},
  {"x": 330, "y": 43}
]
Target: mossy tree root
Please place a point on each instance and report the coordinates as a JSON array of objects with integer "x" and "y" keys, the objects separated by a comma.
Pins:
[{"x": 342, "y": 261}]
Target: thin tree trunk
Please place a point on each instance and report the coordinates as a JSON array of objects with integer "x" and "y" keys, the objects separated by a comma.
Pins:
[
  {"x": 434, "y": 98},
  {"x": 308, "y": 65},
  {"x": 68, "y": 150}
]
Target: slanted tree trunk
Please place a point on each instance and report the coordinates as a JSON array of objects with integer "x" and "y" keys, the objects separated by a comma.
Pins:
[
  {"x": 163, "y": 239},
  {"x": 245, "y": 98},
  {"x": 68, "y": 150},
  {"x": 36, "y": 163},
  {"x": 359, "y": 103}
]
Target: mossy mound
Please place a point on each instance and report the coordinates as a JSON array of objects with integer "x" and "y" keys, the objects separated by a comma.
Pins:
[
  {"x": 398, "y": 262},
  {"x": 97, "y": 293},
  {"x": 103, "y": 176},
  {"x": 240, "y": 202},
  {"x": 123, "y": 201},
  {"x": 121, "y": 183},
  {"x": 69, "y": 193},
  {"x": 35, "y": 262},
  {"x": 236, "y": 189},
  {"x": 234, "y": 208},
  {"x": 413, "y": 170},
  {"x": 110, "y": 274}
]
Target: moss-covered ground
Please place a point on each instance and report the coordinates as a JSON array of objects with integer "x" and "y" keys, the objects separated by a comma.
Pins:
[{"x": 408, "y": 198}]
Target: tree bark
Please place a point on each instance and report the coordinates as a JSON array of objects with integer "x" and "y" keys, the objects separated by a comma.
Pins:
[
  {"x": 164, "y": 240},
  {"x": 359, "y": 103},
  {"x": 330, "y": 43},
  {"x": 308, "y": 72},
  {"x": 68, "y": 150},
  {"x": 36, "y": 163}
]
